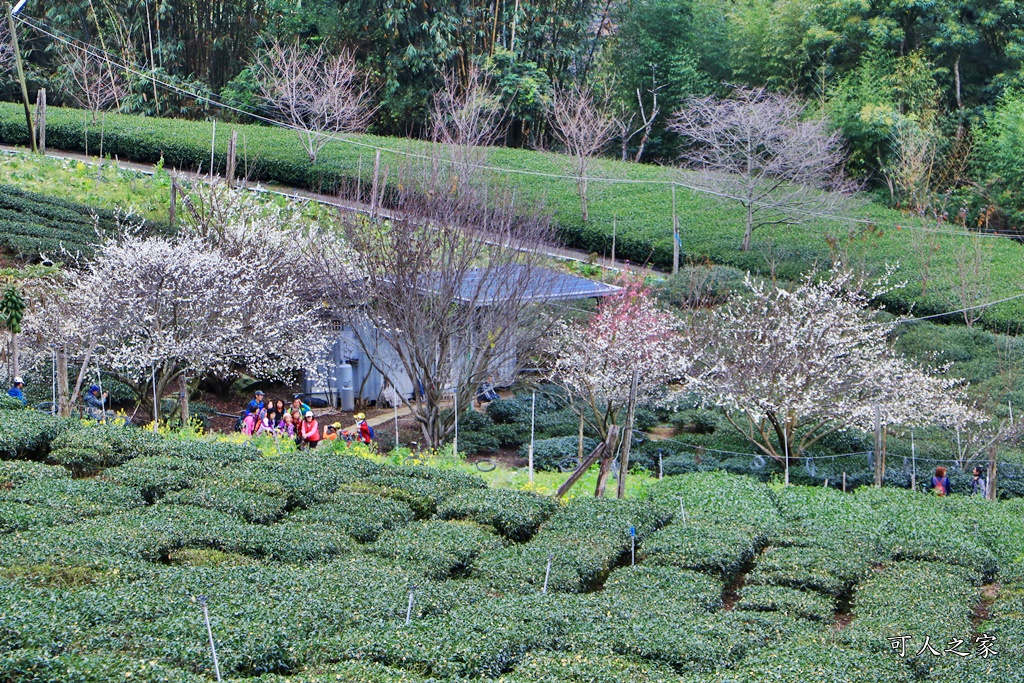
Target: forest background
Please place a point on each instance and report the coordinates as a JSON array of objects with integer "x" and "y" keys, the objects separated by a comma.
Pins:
[{"x": 939, "y": 81}]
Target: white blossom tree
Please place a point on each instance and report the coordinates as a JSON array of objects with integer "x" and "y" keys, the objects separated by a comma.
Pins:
[
  {"x": 791, "y": 367},
  {"x": 203, "y": 303},
  {"x": 318, "y": 94}
]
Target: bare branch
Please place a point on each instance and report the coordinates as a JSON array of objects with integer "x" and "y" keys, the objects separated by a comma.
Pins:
[
  {"x": 757, "y": 149},
  {"x": 90, "y": 81},
  {"x": 583, "y": 125},
  {"x": 318, "y": 94}
]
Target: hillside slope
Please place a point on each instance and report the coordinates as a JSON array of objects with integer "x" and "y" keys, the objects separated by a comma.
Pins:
[{"x": 637, "y": 197}]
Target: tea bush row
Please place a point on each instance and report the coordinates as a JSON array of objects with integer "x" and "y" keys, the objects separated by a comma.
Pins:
[
  {"x": 584, "y": 540},
  {"x": 438, "y": 549},
  {"x": 727, "y": 520},
  {"x": 516, "y": 515}
]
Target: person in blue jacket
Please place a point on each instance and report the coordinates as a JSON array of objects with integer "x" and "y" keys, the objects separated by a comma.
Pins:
[{"x": 16, "y": 390}]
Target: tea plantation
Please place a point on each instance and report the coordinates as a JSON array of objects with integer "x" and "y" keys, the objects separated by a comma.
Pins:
[{"x": 110, "y": 535}]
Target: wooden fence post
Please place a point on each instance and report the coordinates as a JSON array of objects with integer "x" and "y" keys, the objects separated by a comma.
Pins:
[
  {"x": 232, "y": 157},
  {"x": 172, "y": 211},
  {"x": 41, "y": 120}
]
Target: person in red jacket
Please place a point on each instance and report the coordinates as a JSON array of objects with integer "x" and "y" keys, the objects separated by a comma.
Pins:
[{"x": 309, "y": 431}]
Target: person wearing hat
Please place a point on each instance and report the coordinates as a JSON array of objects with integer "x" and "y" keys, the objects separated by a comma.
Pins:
[
  {"x": 257, "y": 404},
  {"x": 16, "y": 391},
  {"x": 331, "y": 431},
  {"x": 309, "y": 431},
  {"x": 363, "y": 432},
  {"x": 95, "y": 402}
]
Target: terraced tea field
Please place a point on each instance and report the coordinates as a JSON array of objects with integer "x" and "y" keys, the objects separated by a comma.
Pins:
[{"x": 330, "y": 566}]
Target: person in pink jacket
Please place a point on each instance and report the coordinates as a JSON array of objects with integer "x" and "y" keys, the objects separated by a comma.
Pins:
[{"x": 309, "y": 431}]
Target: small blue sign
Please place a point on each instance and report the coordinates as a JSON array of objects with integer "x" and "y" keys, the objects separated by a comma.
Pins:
[{"x": 632, "y": 531}]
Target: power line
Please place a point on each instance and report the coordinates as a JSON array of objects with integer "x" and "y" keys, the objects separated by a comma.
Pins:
[{"x": 63, "y": 37}]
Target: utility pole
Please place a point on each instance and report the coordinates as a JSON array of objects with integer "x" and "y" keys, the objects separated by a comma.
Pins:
[{"x": 21, "y": 77}]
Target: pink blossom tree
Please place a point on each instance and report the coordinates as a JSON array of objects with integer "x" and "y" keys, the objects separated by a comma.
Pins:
[{"x": 595, "y": 361}]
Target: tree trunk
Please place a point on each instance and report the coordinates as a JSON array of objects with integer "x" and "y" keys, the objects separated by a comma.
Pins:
[
  {"x": 183, "y": 399},
  {"x": 15, "y": 365},
  {"x": 582, "y": 186},
  {"x": 63, "y": 399},
  {"x": 581, "y": 470},
  {"x": 624, "y": 466},
  {"x": 991, "y": 493},
  {"x": 607, "y": 457},
  {"x": 749, "y": 230}
]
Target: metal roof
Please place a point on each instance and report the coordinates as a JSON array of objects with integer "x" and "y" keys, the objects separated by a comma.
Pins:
[{"x": 485, "y": 286}]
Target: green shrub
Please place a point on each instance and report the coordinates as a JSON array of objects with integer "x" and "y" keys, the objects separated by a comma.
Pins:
[
  {"x": 477, "y": 442},
  {"x": 728, "y": 519},
  {"x": 439, "y": 549},
  {"x": 42, "y": 666},
  {"x": 548, "y": 454},
  {"x": 252, "y": 507},
  {"x": 806, "y": 604},
  {"x": 586, "y": 668},
  {"x": 33, "y": 224},
  {"x": 423, "y": 506},
  {"x": 363, "y": 516},
  {"x": 668, "y": 585},
  {"x": 346, "y": 672},
  {"x": 157, "y": 476},
  {"x": 26, "y": 435},
  {"x": 10, "y": 403},
  {"x": 516, "y": 515},
  {"x": 91, "y": 448},
  {"x": 14, "y": 473},
  {"x": 509, "y": 435},
  {"x": 912, "y": 598},
  {"x": 584, "y": 541},
  {"x": 832, "y": 569}
]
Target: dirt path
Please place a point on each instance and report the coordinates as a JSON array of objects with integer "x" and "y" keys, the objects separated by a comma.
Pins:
[{"x": 557, "y": 252}]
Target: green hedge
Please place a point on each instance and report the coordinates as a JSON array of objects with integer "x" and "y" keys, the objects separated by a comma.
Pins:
[
  {"x": 806, "y": 604},
  {"x": 548, "y": 454},
  {"x": 516, "y": 515},
  {"x": 728, "y": 519},
  {"x": 26, "y": 435},
  {"x": 363, "y": 516},
  {"x": 584, "y": 540},
  {"x": 91, "y": 448},
  {"x": 14, "y": 473},
  {"x": 437, "y": 548}
]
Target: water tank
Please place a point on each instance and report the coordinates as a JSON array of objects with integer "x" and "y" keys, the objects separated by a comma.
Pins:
[{"x": 345, "y": 390}]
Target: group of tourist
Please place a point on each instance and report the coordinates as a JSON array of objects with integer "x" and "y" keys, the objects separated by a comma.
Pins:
[{"x": 297, "y": 421}]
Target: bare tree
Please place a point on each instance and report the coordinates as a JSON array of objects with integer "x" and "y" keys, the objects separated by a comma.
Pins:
[
  {"x": 446, "y": 293},
  {"x": 318, "y": 94},
  {"x": 926, "y": 229},
  {"x": 973, "y": 277},
  {"x": 625, "y": 124},
  {"x": 756, "y": 148},
  {"x": 6, "y": 49},
  {"x": 465, "y": 120},
  {"x": 583, "y": 125},
  {"x": 92, "y": 83}
]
